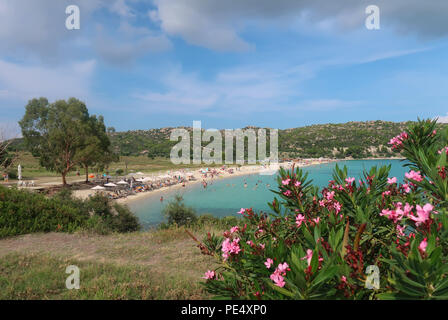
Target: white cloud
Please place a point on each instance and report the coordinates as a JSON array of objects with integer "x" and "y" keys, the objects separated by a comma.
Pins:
[
  {"x": 218, "y": 24},
  {"x": 121, "y": 8},
  {"x": 442, "y": 119},
  {"x": 21, "y": 83},
  {"x": 126, "y": 51},
  {"x": 239, "y": 91},
  {"x": 37, "y": 28}
]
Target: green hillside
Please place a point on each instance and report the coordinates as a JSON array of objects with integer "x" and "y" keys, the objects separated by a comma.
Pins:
[{"x": 351, "y": 139}]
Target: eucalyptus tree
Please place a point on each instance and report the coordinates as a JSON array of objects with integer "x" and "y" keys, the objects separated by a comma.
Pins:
[
  {"x": 60, "y": 133},
  {"x": 97, "y": 150}
]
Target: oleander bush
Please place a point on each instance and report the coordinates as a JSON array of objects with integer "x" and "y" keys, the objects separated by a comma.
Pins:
[
  {"x": 372, "y": 238},
  {"x": 23, "y": 212}
]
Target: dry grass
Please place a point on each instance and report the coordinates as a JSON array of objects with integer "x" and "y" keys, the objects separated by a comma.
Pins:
[
  {"x": 32, "y": 169},
  {"x": 164, "y": 264}
]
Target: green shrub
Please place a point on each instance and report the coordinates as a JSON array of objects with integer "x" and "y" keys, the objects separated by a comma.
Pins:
[
  {"x": 23, "y": 212},
  {"x": 178, "y": 213}
]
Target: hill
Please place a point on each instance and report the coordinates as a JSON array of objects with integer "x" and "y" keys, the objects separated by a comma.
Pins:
[
  {"x": 352, "y": 139},
  {"x": 345, "y": 140}
]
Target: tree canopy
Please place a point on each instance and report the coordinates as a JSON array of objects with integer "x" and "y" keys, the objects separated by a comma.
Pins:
[{"x": 63, "y": 135}]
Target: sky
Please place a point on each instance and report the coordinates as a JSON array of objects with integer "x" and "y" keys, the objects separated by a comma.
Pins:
[{"x": 287, "y": 63}]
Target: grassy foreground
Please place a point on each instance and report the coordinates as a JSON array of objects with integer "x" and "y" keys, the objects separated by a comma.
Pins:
[{"x": 162, "y": 264}]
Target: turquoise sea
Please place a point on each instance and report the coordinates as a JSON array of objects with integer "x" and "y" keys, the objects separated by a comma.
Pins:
[{"x": 226, "y": 196}]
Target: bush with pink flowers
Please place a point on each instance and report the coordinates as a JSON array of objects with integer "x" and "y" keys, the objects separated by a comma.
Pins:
[{"x": 373, "y": 238}]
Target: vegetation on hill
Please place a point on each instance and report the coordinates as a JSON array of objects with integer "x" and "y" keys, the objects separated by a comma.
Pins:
[
  {"x": 352, "y": 139},
  {"x": 347, "y": 140}
]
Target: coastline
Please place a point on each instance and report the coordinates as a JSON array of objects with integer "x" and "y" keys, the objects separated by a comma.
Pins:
[
  {"x": 243, "y": 171},
  {"x": 237, "y": 171}
]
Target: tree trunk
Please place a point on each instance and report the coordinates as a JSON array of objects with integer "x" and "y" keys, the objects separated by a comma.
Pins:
[
  {"x": 87, "y": 173},
  {"x": 64, "y": 181}
]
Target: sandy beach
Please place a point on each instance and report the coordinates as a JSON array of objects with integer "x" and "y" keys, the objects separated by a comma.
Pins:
[{"x": 199, "y": 178}]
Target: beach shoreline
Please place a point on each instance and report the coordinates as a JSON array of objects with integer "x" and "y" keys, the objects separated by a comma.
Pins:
[{"x": 237, "y": 172}]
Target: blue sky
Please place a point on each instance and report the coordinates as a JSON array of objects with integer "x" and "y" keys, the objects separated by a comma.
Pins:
[{"x": 154, "y": 63}]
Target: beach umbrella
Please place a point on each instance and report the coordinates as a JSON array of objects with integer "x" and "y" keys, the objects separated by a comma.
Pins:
[
  {"x": 110, "y": 184},
  {"x": 147, "y": 179},
  {"x": 122, "y": 182},
  {"x": 98, "y": 188},
  {"x": 139, "y": 180},
  {"x": 19, "y": 170}
]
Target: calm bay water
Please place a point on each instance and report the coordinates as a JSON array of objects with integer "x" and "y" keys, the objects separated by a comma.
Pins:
[{"x": 225, "y": 196}]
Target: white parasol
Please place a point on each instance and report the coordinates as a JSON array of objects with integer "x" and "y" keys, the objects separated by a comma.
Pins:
[
  {"x": 98, "y": 188},
  {"x": 110, "y": 184}
]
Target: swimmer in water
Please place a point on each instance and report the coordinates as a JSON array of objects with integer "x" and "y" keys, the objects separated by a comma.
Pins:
[
  {"x": 161, "y": 199},
  {"x": 245, "y": 185}
]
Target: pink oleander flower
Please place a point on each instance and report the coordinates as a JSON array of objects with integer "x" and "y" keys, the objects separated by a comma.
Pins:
[
  {"x": 279, "y": 273},
  {"x": 209, "y": 275},
  {"x": 397, "y": 214},
  {"x": 309, "y": 255},
  {"x": 337, "y": 207},
  {"x": 406, "y": 188},
  {"x": 349, "y": 180},
  {"x": 316, "y": 220},
  {"x": 282, "y": 268},
  {"x": 234, "y": 229},
  {"x": 392, "y": 180},
  {"x": 407, "y": 209},
  {"x": 262, "y": 245},
  {"x": 299, "y": 219},
  {"x": 412, "y": 175},
  {"x": 297, "y": 184},
  {"x": 250, "y": 242},
  {"x": 397, "y": 141},
  {"x": 445, "y": 149},
  {"x": 286, "y": 182},
  {"x": 287, "y": 193},
  {"x": 400, "y": 230},
  {"x": 242, "y": 211},
  {"x": 278, "y": 279},
  {"x": 423, "y": 245},
  {"x": 344, "y": 279},
  {"x": 422, "y": 214},
  {"x": 329, "y": 195},
  {"x": 386, "y": 193},
  {"x": 269, "y": 263},
  {"x": 230, "y": 247}
]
